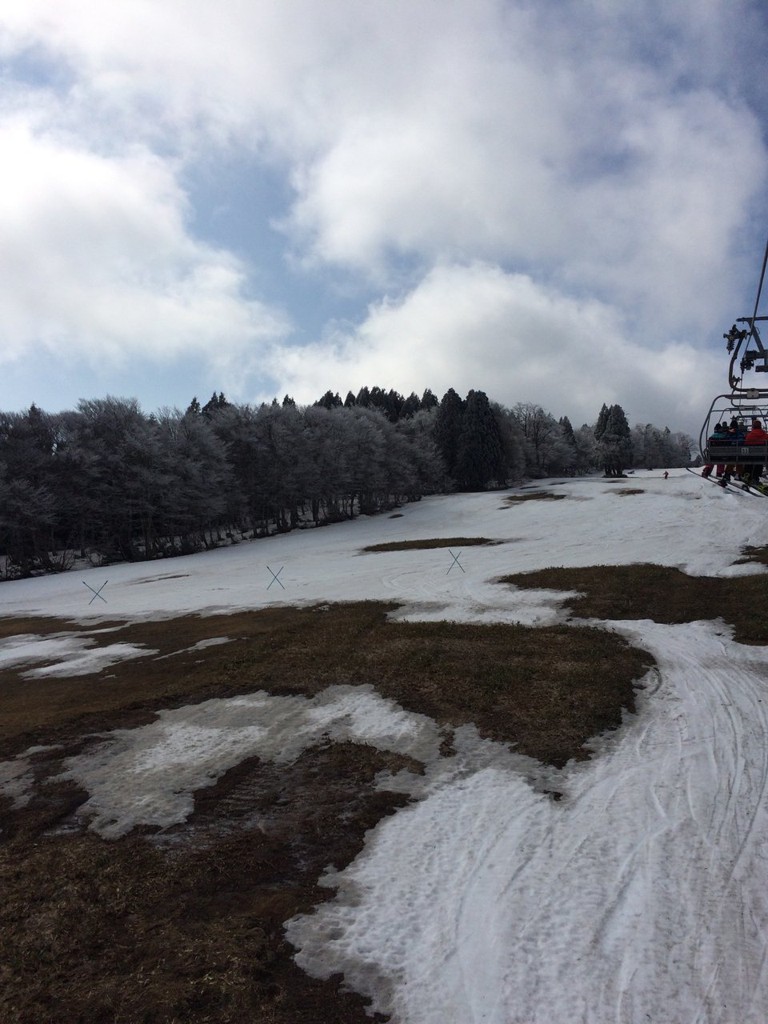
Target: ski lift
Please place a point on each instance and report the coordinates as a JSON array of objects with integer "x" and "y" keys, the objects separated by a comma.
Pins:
[
  {"x": 734, "y": 413},
  {"x": 746, "y": 402}
]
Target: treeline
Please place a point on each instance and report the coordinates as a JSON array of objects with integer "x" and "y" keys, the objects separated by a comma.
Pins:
[{"x": 108, "y": 482}]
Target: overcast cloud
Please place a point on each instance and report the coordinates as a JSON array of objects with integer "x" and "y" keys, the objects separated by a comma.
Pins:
[{"x": 558, "y": 203}]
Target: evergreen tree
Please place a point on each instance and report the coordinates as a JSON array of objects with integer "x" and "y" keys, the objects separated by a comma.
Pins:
[
  {"x": 378, "y": 398},
  {"x": 329, "y": 400},
  {"x": 571, "y": 461},
  {"x": 411, "y": 406},
  {"x": 614, "y": 440},
  {"x": 393, "y": 405},
  {"x": 479, "y": 459},
  {"x": 448, "y": 424},
  {"x": 568, "y": 435},
  {"x": 429, "y": 400},
  {"x": 214, "y": 405},
  {"x": 602, "y": 421}
]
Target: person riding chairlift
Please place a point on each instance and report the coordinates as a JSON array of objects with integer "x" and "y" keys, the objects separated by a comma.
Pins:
[
  {"x": 756, "y": 435},
  {"x": 735, "y": 436},
  {"x": 720, "y": 433}
]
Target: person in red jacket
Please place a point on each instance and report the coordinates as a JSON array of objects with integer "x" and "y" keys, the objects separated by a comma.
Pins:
[{"x": 756, "y": 435}]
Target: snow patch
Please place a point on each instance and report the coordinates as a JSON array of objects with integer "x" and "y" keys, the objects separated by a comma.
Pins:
[{"x": 148, "y": 776}]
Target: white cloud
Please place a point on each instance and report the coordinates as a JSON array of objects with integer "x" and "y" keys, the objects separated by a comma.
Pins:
[
  {"x": 478, "y": 327},
  {"x": 570, "y": 171},
  {"x": 590, "y": 171},
  {"x": 95, "y": 259}
]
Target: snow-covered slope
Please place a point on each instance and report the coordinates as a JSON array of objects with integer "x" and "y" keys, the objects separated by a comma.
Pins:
[
  {"x": 641, "y": 895},
  {"x": 682, "y": 521}
]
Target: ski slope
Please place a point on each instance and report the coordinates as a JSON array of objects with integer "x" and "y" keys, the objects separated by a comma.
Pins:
[{"x": 640, "y": 896}]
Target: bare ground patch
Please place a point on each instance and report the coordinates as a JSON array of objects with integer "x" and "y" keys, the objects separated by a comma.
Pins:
[
  {"x": 433, "y": 542},
  {"x": 515, "y": 499},
  {"x": 660, "y": 593},
  {"x": 756, "y": 554},
  {"x": 132, "y": 931}
]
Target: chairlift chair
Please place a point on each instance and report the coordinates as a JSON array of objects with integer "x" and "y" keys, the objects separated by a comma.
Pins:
[
  {"x": 741, "y": 407},
  {"x": 745, "y": 402}
]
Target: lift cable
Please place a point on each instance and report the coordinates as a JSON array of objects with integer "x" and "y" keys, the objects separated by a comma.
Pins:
[
  {"x": 739, "y": 342},
  {"x": 760, "y": 285}
]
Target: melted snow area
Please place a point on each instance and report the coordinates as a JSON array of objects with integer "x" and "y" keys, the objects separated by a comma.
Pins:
[
  {"x": 71, "y": 655},
  {"x": 191, "y": 747},
  {"x": 640, "y": 896}
]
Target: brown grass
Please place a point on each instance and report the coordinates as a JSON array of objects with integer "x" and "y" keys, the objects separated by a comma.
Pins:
[
  {"x": 515, "y": 499},
  {"x": 453, "y": 672},
  {"x": 660, "y": 593},
  {"x": 187, "y": 926},
  {"x": 434, "y": 542},
  {"x": 755, "y": 554}
]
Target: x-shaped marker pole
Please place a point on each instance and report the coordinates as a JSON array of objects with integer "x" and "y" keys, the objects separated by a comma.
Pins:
[
  {"x": 454, "y": 562},
  {"x": 96, "y": 593},
  {"x": 276, "y": 577}
]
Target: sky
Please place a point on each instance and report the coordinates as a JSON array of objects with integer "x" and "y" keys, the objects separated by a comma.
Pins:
[
  {"x": 559, "y": 203},
  {"x": 638, "y": 895}
]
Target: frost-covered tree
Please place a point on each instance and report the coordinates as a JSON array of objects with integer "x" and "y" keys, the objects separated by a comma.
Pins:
[
  {"x": 109, "y": 481},
  {"x": 547, "y": 450},
  {"x": 198, "y": 483},
  {"x": 585, "y": 449},
  {"x": 126, "y": 481},
  {"x": 426, "y": 461},
  {"x": 368, "y": 434},
  {"x": 653, "y": 447},
  {"x": 512, "y": 443},
  {"x": 27, "y": 520}
]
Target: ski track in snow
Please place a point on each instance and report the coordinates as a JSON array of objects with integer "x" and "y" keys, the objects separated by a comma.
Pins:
[{"x": 638, "y": 897}]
